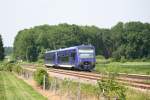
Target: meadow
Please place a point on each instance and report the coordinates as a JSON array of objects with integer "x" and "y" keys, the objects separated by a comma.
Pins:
[
  {"x": 129, "y": 67},
  {"x": 12, "y": 88}
]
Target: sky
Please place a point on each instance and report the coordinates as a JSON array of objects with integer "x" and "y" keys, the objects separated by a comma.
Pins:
[{"x": 16, "y": 15}]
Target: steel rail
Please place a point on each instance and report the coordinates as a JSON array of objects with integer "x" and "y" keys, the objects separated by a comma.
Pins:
[{"x": 134, "y": 80}]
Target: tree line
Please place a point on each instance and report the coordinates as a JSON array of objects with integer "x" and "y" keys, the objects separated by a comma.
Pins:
[
  {"x": 129, "y": 40},
  {"x": 8, "y": 51},
  {"x": 1, "y": 49}
]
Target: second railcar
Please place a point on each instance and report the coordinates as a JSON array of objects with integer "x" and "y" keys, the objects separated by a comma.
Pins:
[{"x": 79, "y": 57}]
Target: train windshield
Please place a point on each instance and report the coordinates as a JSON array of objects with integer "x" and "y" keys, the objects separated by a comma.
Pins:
[{"x": 86, "y": 52}]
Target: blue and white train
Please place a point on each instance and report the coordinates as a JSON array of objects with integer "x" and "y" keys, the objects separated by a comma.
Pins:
[{"x": 79, "y": 57}]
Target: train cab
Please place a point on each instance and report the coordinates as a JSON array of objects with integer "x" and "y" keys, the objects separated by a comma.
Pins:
[{"x": 86, "y": 56}]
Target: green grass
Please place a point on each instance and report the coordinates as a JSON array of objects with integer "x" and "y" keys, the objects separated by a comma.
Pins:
[
  {"x": 12, "y": 88},
  {"x": 140, "y": 67},
  {"x": 92, "y": 90},
  {"x": 130, "y": 69},
  {"x": 137, "y": 95}
]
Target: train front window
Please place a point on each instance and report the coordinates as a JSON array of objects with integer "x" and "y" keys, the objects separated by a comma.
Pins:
[
  {"x": 86, "y": 52},
  {"x": 86, "y": 55}
]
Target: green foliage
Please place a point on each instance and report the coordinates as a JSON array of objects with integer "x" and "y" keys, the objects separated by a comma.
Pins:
[
  {"x": 100, "y": 57},
  {"x": 1, "y": 66},
  {"x": 31, "y": 53},
  {"x": 8, "y": 66},
  {"x": 42, "y": 53},
  {"x": 130, "y": 40},
  {"x": 17, "y": 68},
  {"x": 110, "y": 88},
  {"x": 41, "y": 61},
  {"x": 126, "y": 67},
  {"x": 1, "y": 49},
  {"x": 39, "y": 76},
  {"x": 122, "y": 60},
  {"x": 32, "y": 43},
  {"x": 8, "y": 51}
]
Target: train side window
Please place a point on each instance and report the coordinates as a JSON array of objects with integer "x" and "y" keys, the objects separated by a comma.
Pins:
[
  {"x": 65, "y": 59},
  {"x": 73, "y": 55},
  {"x": 50, "y": 57}
]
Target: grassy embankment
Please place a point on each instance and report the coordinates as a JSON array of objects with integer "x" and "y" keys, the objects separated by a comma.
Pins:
[
  {"x": 134, "y": 67},
  {"x": 12, "y": 88},
  {"x": 92, "y": 90},
  {"x": 73, "y": 87}
]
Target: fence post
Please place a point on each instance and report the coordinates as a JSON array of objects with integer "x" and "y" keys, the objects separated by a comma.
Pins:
[
  {"x": 68, "y": 90},
  {"x": 51, "y": 86},
  {"x": 24, "y": 74},
  {"x": 79, "y": 90},
  {"x": 44, "y": 82},
  {"x": 55, "y": 86},
  {"x": 27, "y": 75},
  {"x": 61, "y": 90}
]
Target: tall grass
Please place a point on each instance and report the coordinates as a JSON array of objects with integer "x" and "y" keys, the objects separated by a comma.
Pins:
[
  {"x": 102, "y": 65},
  {"x": 129, "y": 69}
]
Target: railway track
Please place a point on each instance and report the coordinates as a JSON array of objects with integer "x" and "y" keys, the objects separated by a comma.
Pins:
[
  {"x": 134, "y": 80},
  {"x": 138, "y": 83}
]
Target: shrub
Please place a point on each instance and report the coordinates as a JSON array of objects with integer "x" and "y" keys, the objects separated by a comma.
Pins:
[
  {"x": 1, "y": 67},
  {"x": 123, "y": 60},
  {"x": 144, "y": 59},
  {"x": 17, "y": 69},
  {"x": 110, "y": 88},
  {"x": 8, "y": 66},
  {"x": 116, "y": 55},
  {"x": 39, "y": 77},
  {"x": 100, "y": 57},
  {"x": 41, "y": 61}
]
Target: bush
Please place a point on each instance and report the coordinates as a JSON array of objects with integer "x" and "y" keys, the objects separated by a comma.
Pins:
[
  {"x": 8, "y": 66},
  {"x": 41, "y": 61},
  {"x": 17, "y": 69},
  {"x": 144, "y": 59},
  {"x": 110, "y": 88},
  {"x": 1, "y": 67},
  {"x": 100, "y": 57},
  {"x": 116, "y": 55},
  {"x": 123, "y": 60},
  {"x": 39, "y": 77}
]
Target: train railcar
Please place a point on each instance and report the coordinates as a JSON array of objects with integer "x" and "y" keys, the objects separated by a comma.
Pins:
[
  {"x": 79, "y": 57},
  {"x": 50, "y": 58}
]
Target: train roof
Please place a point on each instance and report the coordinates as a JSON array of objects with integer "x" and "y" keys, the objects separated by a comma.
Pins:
[
  {"x": 69, "y": 48},
  {"x": 51, "y": 51}
]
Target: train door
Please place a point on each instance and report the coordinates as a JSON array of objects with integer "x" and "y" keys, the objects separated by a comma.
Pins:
[
  {"x": 63, "y": 58},
  {"x": 72, "y": 57}
]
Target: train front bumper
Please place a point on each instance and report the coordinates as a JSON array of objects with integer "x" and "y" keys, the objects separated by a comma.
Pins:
[{"x": 87, "y": 65}]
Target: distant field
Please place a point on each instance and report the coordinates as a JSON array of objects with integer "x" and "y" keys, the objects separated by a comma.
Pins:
[
  {"x": 12, "y": 88},
  {"x": 127, "y": 67}
]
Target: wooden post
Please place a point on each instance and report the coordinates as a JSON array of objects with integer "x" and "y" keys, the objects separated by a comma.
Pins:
[
  {"x": 79, "y": 88},
  {"x": 44, "y": 82},
  {"x": 68, "y": 92},
  {"x": 55, "y": 86}
]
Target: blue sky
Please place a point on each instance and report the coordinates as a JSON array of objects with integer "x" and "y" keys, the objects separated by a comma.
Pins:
[{"x": 16, "y": 15}]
